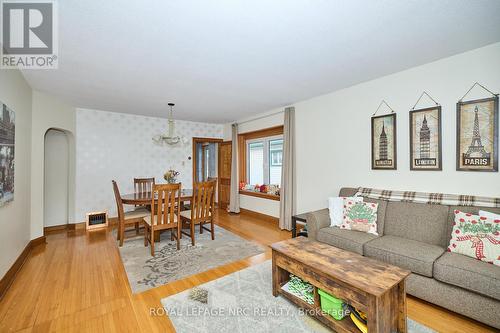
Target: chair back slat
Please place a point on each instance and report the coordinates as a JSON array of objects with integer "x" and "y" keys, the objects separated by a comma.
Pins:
[
  {"x": 143, "y": 184},
  {"x": 203, "y": 200},
  {"x": 119, "y": 203},
  {"x": 174, "y": 207},
  {"x": 165, "y": 203},
  {"x": 209, "y": 202}
]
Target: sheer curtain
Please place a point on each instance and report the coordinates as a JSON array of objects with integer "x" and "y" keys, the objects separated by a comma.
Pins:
[
  {"x": 287, "y": 192},
  {"x": 234, "y": 195}
]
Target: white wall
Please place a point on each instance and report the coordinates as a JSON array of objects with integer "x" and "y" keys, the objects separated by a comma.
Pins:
[
  {"x": 49, "y": 112},
  {"x": 260, "y": 205},
  {"x": 15, "y": 215},
  {"x": 120, "y": 147},
  {"x": 333, "y": 131},
  {"x": 56, "y": 178}
]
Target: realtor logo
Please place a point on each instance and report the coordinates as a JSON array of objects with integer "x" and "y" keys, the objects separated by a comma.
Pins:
[{"x": 29, "y": 39}]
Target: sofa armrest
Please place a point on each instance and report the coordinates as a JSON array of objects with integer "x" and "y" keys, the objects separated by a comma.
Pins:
[{"x": 317, "y": 220}]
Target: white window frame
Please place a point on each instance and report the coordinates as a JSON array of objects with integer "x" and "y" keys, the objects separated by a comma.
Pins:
[{"x": 266, "y": 165}]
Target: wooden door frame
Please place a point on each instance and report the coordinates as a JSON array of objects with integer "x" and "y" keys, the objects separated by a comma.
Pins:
[
  {"x": 219, "y": 179},
  {"x": 200, "y": 140}
]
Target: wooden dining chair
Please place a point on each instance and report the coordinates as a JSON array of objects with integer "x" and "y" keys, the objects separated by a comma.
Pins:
[
  {"x": 216, "y": 180},
  {"x": 202, "y": 209},
  {"x": 165, "y": 210},
  {"x": 143, "y": 185},
  {"x": 127, "y": 218}
]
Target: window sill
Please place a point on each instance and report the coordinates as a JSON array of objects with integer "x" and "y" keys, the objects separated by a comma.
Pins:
[{"x": 261, "y": 195}]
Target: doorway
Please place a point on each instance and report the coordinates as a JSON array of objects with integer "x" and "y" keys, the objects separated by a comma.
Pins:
[
  {"x": 206, "y": 160},
  {"x": 56, "y": 178}
]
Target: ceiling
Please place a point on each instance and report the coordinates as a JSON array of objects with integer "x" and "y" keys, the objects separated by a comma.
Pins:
[{"x": 225, "y": 60}]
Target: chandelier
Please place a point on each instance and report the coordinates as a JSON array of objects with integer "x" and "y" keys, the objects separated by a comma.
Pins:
[{"x": 169, "y": 138}]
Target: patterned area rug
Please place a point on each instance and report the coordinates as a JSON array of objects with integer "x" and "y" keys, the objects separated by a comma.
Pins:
[
  {"x": 243, "y": 302},
  {"x": 145, "y": 272}
]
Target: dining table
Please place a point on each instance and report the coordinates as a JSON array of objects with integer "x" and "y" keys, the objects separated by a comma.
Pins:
[{"x": 144, "y": 198}]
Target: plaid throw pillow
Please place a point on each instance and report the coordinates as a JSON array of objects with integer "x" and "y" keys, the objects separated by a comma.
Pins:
[
  {"x": 360, "y": 216},
  {"x": 476, "y": 236}
]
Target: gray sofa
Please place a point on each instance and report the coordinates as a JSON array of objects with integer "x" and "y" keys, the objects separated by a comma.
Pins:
[{"x": 415, "y": 236}]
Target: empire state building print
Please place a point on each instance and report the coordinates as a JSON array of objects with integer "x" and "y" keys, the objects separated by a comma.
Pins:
[
  {"x": 425, "y": 139},
  {"x": 477, "y": 135},
  {"x": 384, "y": 142}
]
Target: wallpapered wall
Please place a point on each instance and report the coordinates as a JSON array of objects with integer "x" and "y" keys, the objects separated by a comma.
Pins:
[{"x": 119, "y": 146}]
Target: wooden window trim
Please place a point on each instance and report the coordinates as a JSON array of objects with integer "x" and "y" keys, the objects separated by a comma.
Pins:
[
  {"x": 261, "y": 195},
  {"x": 242, "y": 158}
]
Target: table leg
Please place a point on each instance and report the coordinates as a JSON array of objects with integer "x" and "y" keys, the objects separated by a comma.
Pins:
[
  {"x": 294, "y": 227},
  {"x": 402, "y": 307},
  {"x": 279, "y": 275},
  {"x": 383, "y": 312},
  {"x": 182, "y": 203},
  {"x": 276, "y": 285}
]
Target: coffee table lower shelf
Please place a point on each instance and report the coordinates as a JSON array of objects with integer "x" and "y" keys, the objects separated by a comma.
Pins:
[{"x": 314, "y": 310}]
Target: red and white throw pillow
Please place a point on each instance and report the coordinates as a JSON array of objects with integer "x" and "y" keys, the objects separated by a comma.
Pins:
[
  {"x": 476, "y": 236},
  {"x": 360, "y": 216}
]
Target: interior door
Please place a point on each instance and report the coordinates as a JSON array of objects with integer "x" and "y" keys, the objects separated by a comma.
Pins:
[{"x": 224, "y": 173}]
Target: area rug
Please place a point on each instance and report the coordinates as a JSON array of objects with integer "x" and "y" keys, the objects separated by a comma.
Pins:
[
  {"x": 169, "y": 264},
  {"x": 243, "y": 302}
]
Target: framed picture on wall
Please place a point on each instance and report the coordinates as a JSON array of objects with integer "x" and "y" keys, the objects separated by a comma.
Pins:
[
  {"x": 425, "y": 139},
  {"x": 477, "y": 135},
  {"x": 384, "y": 142},
  {"x": 7, "y": 138}
]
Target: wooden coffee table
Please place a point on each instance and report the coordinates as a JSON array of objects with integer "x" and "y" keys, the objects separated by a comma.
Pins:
[{"x": 369, "y": 285}]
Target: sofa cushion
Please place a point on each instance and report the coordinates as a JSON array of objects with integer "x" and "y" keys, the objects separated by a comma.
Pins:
[
  {"x": 456, "y": 299},
  {"x": 421, "y": 222},
  {"x": 406, "y": 253},
  {"x": 468, "y": 273},
  {"x": 466, "y": 209},
  {"x": 349, "y": 240},
  {"x": 382, "y": 205}
]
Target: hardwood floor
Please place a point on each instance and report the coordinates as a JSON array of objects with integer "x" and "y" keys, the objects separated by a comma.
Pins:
[{"x": 77, "y": 283}]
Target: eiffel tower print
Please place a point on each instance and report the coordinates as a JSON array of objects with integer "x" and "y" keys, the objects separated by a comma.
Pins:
[{"x": 476, "y": 155}]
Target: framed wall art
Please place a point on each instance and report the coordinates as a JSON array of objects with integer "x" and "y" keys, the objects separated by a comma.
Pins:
[
  {"x": 425, "y": 139},
  {"x": 477, "y": 135},
  {"x": 383, "y": 140},
  {"x": 7, "y": 138}
]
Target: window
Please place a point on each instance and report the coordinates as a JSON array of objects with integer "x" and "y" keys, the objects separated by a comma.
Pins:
[
  {"x": 276, "y": 160},
  {"x": 260, "y": 158},
  {"x": 265, "y": 158},
  {"x": 255, "y": 163}
]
